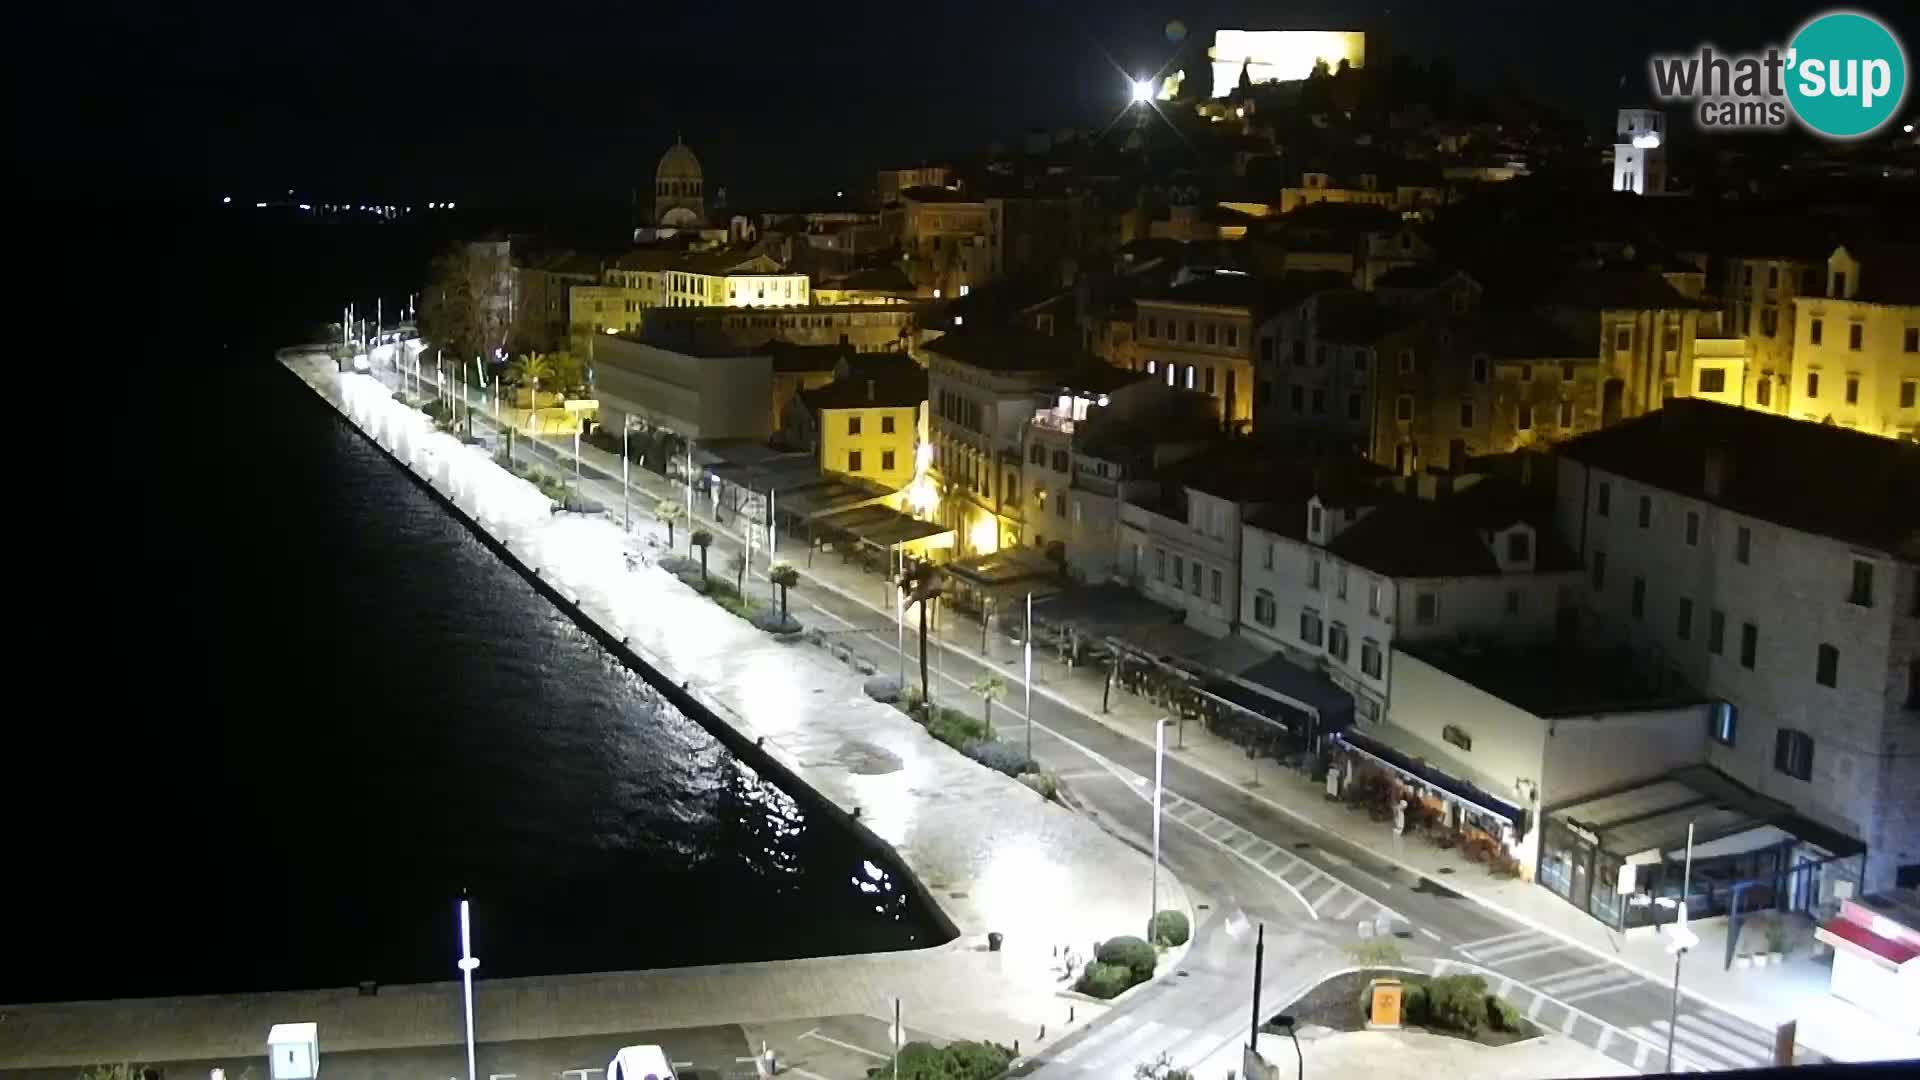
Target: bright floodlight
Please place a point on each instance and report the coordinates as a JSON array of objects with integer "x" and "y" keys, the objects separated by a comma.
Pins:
[
  {"x": 1647, "y": 141},
  {"x": 1143, "y": 90},
  {"x": 1908, "y": 129},
  {"x": 224, "y": 199}
]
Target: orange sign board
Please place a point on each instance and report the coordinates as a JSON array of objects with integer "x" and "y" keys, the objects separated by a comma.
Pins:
[{"x": 1386, "y": 1003}]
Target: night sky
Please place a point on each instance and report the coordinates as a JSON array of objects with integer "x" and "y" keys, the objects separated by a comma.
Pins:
[{"x": 486, "y": 101}]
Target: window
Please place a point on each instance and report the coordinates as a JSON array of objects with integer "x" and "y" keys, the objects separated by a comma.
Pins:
[
  {"x": 1525, "y": 421},
  {"x": 886, "y": 425},
  {"x": 1403, "y": 407},
  {"x": 1153, "y": 330},
  {"x": 1769, "y": 320},
  {"x": 1826, "y": 669},
  {"x": 1313, "y": 574},
  {"x": 1160, "y": 564},
  {"x": 1853, "y": 389},
  {"x": 1466, "y": 414},
  {"x": 1340, "y": 583},
  {"x": 1194, "y": 584},
  {"x": 1480, "y": 366},
  {"x": 1406, "y": 361},
  {"x": 1861, "y": 594},
  {"x": 1310, "y": 627},
  {"x": 1426, "y": 608},
  {"x": 1813, "y": 331},
  {"x": 1713, "y": 380},
  {"x": 1763, "y": 390},
  {"x": 1213, "y": 581},
  {"x": 1519, "y": 547},
  {"x": 1856, "y": 333},
  {"x": 1749, "y": 645},
  {"x": 1263, "y": 608},
  {"x": 1353, "y": 406},
  {"x": 1313, "y": 528},
  {"x": 1526, "y": 372},
  {"x": 1813, "y": 385},
  {"x": 1639, "y": 597},
  {"x": 1743, "y": 546},
  {"x": 853, "y": 461},
  {"x": 1683, "y": 623},
  {"x": 1603, "y": 499},
  {"x": 1297, "y": 396},
  {"x": 1319, "y": 401},
  {"x": 1376, "y": 597},
  {"x": 1060, "y": 463},
  {"x": 1723, "y": 722},
  {"x": 1693, "y": 528},
  {"x": 1566, "y": 415},
  {"x": 1213, "y": 333},
  {"x": 1370, "y": 658},
  {"x": 1060, "y": 506},
  {"x": 1233, "y": 337},
  {"x": 1909, "y": 391},
  {"x": 1716, "y": 631},
  {"x": 1670, "y": 341},
  {"x": 1793, "y": 753},
  {"x": 1599, "y": 569},
  {"x": 1337, "y": 642},
  {"x": 1320, "y": 356},
  {"x": 1623, "y": 339},
  {"x": 1513, "y": 601},
  {"x": 1179, "y": 572},
  {"x": 1457, "y": 735},
  {"x": 1266, "y": 560},
  {"x": 886, "y": 461},
  {"x": 1361, "y": 357},
  {"x": 1646, "y": 510}
]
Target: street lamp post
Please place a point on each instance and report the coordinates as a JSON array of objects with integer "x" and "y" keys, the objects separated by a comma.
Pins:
[
  {"x": 1683, "y": 939},
  {"x": 1159, "y": 782},
  {"x": 1027, "y": 656},
  {"x": 626, "y": 504},
  {"x": 468, "y": 962}
]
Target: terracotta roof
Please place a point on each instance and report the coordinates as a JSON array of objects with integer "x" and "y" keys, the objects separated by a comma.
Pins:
[
  {"x": 1251, "y": 291},
  {"x": 1816, "y": 478},
  {"x": 1411, "y": 537},
  {"x": 899, "y": 389},
  {"x": 1007, "y": 348}
]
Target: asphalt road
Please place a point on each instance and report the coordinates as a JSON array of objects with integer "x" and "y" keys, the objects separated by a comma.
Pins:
[
  {"x": 711, "y": 1053},
  {"x": 1252, "y": 859}
]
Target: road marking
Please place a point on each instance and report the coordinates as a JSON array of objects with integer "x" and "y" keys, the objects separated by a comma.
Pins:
[
  {"x": 1510, "y": 936},
  {"x": 1533, "y": 1010},
  {"x": 1142, "y": 1037},
  {"x": 847, "y": 1046},
  {"x": 796, "y": 1070},
  {"x": 1326, "y": 896},
  {"x": 1708, "y": 1052},
  {"x": 1712, "y": 1025},
  {"x": 1640, "y": 1055},
  {"x": 1091, "y": 1037},
  {"x": 1612, "y": 987},
  {"x": 1567, "y": 1025},
  {"x": 1606, "y": 1037},
  {"x": 1358, "y": 899},
  {"x": 1430, "y": 933},
  {"x": 1572, "y": 976}
]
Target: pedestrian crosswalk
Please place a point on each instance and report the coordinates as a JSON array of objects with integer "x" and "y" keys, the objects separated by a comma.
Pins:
[
  {"x": 1115, "y": 1048},
  {"x": 1324, "y": 896},
  {"x": 1704, "y": 1042},
  {"x": 1511, "y": 948}
]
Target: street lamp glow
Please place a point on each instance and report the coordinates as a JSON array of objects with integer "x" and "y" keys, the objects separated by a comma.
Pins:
[
  {"x": 1908, "y": 129},
  {"x": 1143, "y": 90},
  {"x": 225, "y": 199}
]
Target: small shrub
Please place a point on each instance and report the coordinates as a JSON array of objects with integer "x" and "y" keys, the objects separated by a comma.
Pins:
[
  {"x": 1044, "y": 783},
  {"x": 956, "y": 728},
  {"x": 1414, "y": 1007},
  {"x": 1169, "y": 928},
  {"x": 999, "y": 755},
  {"x": 1374, "y": 952},
  {"x": 955, "y": 1061},
  {"x": 1458, "y": 1003},
  {"x": 1502, "y": 1016},
  {"x": 1104, "y": 980},
  {"x": 1129, "y": 952}
]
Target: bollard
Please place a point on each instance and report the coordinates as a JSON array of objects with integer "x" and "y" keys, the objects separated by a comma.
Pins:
[
  {"x": 1043, "y": 1033},
  {"x": 1069, "y": 1014}
]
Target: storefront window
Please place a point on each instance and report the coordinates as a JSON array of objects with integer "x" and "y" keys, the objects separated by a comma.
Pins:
[
  {"x": 1606, "y": 901},
  {"x": 1561, "y": 850}
]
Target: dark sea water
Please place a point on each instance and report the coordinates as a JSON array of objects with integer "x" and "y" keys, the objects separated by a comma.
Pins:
[{"x": 284, "y": 709}]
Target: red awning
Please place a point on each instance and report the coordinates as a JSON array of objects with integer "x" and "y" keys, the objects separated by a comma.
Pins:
[{"x": 1887, "y": 949}]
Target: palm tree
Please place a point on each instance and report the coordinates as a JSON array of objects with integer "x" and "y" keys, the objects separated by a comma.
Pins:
[
  {"x": 701, "y": 538},
  {"x": 528, "y": 371},
  {"x": 786, "y": 577},
  {"x": 669, "y": 511},
  {"x": 988, "y": 687}
]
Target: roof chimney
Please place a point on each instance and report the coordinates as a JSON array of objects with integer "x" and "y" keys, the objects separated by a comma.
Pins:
[{"x": 1717, "y": 467}]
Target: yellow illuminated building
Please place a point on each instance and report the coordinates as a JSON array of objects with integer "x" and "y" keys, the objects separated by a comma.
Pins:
[
  {"x": 659, "y": 279},
  {"x": 1280, "y": 55},
  {"x": 1856, "y": 350},
  {"x": 871, "y": 424}
]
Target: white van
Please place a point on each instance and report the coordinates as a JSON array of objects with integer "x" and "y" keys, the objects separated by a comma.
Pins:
[{"x": 639, "y": 1063}]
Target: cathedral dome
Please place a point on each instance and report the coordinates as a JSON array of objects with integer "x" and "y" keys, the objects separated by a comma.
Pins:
[{"x": 678, "y": 163}]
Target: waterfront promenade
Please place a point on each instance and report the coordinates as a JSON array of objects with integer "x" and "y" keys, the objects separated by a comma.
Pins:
[{"x": 992, "y": 854}]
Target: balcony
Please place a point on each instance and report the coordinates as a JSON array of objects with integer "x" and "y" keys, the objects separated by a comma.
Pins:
[{"x": 1052, "y": 421}]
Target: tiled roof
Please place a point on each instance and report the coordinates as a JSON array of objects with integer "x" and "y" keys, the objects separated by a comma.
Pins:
[
  {"x": 1817, "y": 478},
  {"x": 1357, "y": 318},
  {"x": 1520, "y": 334},
  {"x": 1410, "y": 537},
  {"x": 1639, "y": 290},
  {"x": 1250, "y": 291},
  {"x": 693, "y": 262},
  {"x": 1007, "y": 348},
  {"x": 903, "y": 388}
]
